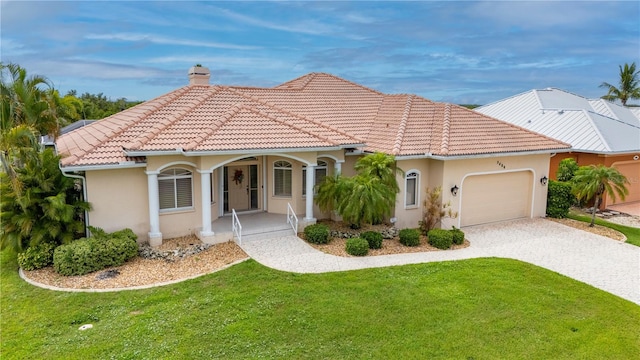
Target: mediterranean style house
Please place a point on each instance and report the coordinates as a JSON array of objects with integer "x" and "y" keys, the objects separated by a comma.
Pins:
[
  {"x": 599, "y": 131},
  {"x": 174, "y": 165}
]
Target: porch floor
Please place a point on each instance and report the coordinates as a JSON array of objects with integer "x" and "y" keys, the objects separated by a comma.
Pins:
[{"x": 252, "y": 223}]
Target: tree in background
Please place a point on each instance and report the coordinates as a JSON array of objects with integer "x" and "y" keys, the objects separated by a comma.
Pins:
[
  {"x": 591, "y": 182},
  {"x": 27, "y": 113},
  {"x": 628, "y": 85},
  {"x": 366, "y": 197}
]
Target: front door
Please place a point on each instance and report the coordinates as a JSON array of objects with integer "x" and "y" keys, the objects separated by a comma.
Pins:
[{"x": 240, "y": 187}]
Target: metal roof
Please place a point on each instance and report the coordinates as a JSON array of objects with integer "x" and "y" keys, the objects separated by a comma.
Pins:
[{"x": 591, "y": 125}]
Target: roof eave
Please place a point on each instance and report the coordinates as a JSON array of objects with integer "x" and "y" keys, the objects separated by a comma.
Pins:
[
  {"x": 122, "y": 165},
  {"x": 180, "y": 151},
  {"x": 483, "y": 155}
]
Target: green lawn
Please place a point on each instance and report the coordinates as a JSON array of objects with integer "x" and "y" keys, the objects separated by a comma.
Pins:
[
  {"x": 473, "y": 309},
  {"x": 632, "y": 234}
]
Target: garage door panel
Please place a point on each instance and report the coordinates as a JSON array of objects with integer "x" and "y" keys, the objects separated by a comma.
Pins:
[
  {"x": 496, "y": 197},
  {"x": 632, "y": 172}
]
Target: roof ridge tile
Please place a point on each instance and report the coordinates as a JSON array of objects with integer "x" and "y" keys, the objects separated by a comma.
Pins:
[
  {"x": 403, "y": 125},
  {"x": 446, "y": 127}
]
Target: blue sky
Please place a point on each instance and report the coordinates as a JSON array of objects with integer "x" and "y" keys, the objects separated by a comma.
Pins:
[{"x": 460, "y": 52}]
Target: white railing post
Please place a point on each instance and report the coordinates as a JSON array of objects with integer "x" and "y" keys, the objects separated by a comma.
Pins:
[
  {"x": 292, "y": 219},
  {"x": 236, "y": 227}
]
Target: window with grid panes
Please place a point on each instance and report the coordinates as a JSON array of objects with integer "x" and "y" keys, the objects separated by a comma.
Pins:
[
  {"x": 282, "y": 178},
  {"x": 175, "y": 188}
]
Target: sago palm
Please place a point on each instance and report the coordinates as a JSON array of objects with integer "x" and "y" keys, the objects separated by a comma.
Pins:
[{"x": 591, "y": 182}]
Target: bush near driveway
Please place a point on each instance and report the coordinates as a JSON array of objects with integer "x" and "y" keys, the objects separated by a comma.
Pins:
[
  {"x": 440, "y": 238},
  {"x": 559, "y": 199}
]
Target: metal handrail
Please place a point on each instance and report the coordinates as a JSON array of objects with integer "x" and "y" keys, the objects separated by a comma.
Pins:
[
  {"x": 236, "y": 227},
  {"x": 291, "y": 216}
]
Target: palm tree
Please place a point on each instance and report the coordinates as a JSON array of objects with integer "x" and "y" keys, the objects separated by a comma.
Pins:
[
  {"x": 594, "y": 180},
  {"x": 28, "y": 111},
  {"x": 366, "y": 197},
  {"x": 49, "y": 210},
  {"x": 382, "y": 166},
  {"x": 629, "y": 88}
]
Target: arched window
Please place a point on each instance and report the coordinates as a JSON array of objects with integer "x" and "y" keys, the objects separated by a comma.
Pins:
[
  {"x": 411, "y": 182},
  {"x": 320, "y": 174},
  {"x": 282, "y": 178},
  {"x": 175, "y": 188}
]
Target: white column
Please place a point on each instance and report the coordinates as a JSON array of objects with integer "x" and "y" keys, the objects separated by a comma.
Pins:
[
  {"x": 263, "y": 186},
  {"x": 221, "y": 191},
  {"x": 205, "y": 185},
  {"x": 155, "y": 236},
  {"x": 338, "y": 167},
  {"x": 309, "y": 198}
]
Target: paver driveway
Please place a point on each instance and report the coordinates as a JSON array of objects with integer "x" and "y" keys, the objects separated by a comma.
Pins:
[{"x": 596, "y": 260}]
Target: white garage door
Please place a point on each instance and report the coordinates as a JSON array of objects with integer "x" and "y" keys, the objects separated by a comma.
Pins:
[
  {"x": 496, "y": 197},
  {"x": 632, "y": 172}
]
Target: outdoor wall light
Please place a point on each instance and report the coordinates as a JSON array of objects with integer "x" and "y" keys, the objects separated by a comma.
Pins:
[
  {"x": 454, "y": 190},
  {"x": 544, "y": 180}
]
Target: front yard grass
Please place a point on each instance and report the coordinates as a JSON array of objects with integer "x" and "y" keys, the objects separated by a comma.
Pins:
[
  {"x": 473, "y": 309},
  {"x": 632, "y": 234}
]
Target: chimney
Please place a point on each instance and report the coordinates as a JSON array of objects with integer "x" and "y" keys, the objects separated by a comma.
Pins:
[{"x": 199, "y": 75}]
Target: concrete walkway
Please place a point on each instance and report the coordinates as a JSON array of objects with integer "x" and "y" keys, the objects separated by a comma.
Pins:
[{"x": 598, "y": 261}]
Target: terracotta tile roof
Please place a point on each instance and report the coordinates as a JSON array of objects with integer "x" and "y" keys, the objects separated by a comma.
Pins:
[{"x": 314, "y": 111}]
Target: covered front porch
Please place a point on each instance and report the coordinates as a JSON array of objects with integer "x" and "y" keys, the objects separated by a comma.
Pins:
[
  {"x": 253, "y": 226},
  {"x": 199, "y": 195}
]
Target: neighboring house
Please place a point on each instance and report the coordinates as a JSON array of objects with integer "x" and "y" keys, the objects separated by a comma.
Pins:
[
  {"x": 172, "y": 165},
  {"x": 599, "y": 131}
]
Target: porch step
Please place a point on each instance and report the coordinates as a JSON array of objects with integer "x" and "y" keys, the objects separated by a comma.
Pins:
[{"x": 266, "y": 234}]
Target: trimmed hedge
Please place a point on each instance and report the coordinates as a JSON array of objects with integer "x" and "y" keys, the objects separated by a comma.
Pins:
[
  {"x": 357, "y": 247},
  {"x": 374, "y": 239},
  {"x": 559, "y": 199},
  {"x": 36, "y": 257},
  {"x": 317, "y": 234},
  {"x": 409, "y": 237},
  {"x": 458, "y": 236},
  {"x": 95, "y": 253},
  {"x": 440, "y": 238}
]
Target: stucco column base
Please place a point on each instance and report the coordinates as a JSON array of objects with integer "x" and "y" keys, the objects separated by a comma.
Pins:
[
  {"x": 155, "y": 239},
  {"x": 207, "y": 237},
  {"x": 304, "y": 222}
]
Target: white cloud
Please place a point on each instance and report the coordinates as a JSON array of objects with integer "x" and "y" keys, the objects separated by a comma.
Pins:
[{"x": 133, "y": 37}]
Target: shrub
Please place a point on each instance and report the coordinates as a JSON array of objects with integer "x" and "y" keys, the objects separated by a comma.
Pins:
[
  {"x": 317, "y": 233},
  {"x": 434, "y": 210},
  {"x": 440, "y": 238},
  {"x": 357, "y": 247},
  {"x": 409, "y": 237},
  {"x": 458, "y": 236},
  {"x": 92, "y": 254},
  {"x": 559, "y": 199},
  {"x": 37, "y": 256},
  {"x": 374, "y": 239},
  {"x": 566, "y": 169}
]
